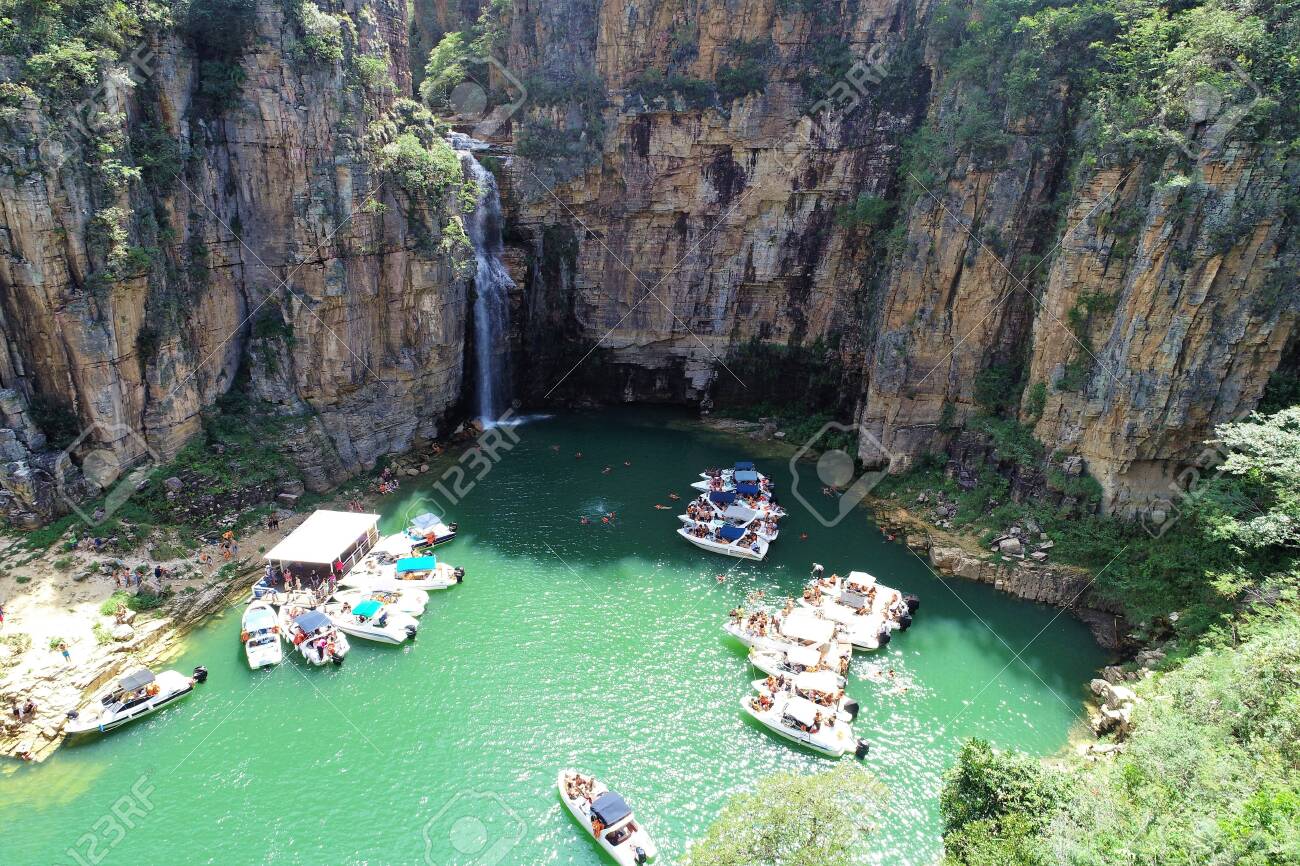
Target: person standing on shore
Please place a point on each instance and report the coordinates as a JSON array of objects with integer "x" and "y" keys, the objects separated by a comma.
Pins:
[
  {"x": 2, "y": 614},
  {"x": 63, "y": 648}
]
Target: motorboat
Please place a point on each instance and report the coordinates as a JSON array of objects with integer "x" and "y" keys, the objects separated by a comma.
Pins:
[
  {"x": 133, "y": 696},
  {"x": 715, "y": 514},
  {"x": 742, "y": 473},
  {"x": 373, "y": 620},
  {"x": 863, "y": 628},
  {"x": 260, "y": 631},
  {"x": 315, "y": 636},
  {"x": 430, "y": 530},
  {"x": 823, "y": 688},
  {"x": 409, "y": 601},
  {"x": 801, "y": 721},
  {"x": 407, "y": 572},
  {"x": 858, "y": 590},
  {"x": 607, "y": 817},
  {"x": 725, "y": 539},
  {"x": 797, "y": 659}
]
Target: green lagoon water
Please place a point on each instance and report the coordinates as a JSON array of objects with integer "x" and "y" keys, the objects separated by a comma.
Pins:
[{"x": 596, "y": 646}]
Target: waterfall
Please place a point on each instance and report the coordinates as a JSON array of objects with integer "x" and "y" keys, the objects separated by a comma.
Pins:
[{"x": 491, "y": 296}]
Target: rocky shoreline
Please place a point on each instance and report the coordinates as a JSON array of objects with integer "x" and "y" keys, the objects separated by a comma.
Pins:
[{"x": 56, "y": 686}]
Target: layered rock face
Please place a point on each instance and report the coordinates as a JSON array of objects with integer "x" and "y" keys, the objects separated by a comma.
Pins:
[
  {"x": 687, "y": 209},
  {"x": 259, "y": 244}
]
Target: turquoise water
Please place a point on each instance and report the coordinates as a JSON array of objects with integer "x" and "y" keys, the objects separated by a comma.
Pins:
[{"x": 597, "y": 646}]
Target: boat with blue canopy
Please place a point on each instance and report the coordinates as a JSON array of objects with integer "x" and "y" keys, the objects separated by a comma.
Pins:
[
  {"x": 430, "y": 529},
  {"x": 373, "y": 620},
  {"x": 315, "y": 636}
]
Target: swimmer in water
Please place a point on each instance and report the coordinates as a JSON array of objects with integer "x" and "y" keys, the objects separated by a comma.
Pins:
[
  {"x": 659, "y": 507},
  {"x": 607, "y": 470},
  {"x": 577, "y": 455},
  {"x": 673, "y": 496},
  {"x": 583, "y": 520}
]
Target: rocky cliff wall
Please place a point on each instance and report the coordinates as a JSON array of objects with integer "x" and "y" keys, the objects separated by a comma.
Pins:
[
  {"x": 677, "y": 194},
  {"x": 180, "y": 247}
]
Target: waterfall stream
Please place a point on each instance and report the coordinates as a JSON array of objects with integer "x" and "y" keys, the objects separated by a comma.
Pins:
[{"x": 492, "y": 285}]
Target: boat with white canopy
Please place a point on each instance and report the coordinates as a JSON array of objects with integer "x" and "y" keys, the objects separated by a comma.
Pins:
[
  {"x": 797, "y": 659},
  {"x": 327, "y": 541},
  {"x": 821, "y": 687},
  {"x": 409, "y": 601},
  {"x": 430, "y": 530},
  {"x": 132, "y": 697},
  {"x": 259, "y": 629},
  {"x": 607, "y": 817},
  {"x": 864, "y": 629},
  {"x": 801, "y": 721}
]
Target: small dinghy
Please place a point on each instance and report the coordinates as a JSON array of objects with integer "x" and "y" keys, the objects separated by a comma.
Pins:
[
  {"x": 823, "y": 688},
  {"x": 801, "y": 721},
  {"x": 411, "y": 602},
  {"x": 373, "y": 620},
  {"x": 132, "y": 697},
  {"x": 607, "y": 817},
  {"x": 316, "y": 637},
  {"x": 429, "y": 530},
  {"x": 260, "y": 632}
]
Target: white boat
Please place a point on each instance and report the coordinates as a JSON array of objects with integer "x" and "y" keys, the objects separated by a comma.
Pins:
[
  {"x": 406, "y": 572},
  {"x": 737, "y": 515},
  {"x": 823, "y": 688},
  {"x": 743, "y": 473},
  {"x": 132, "y": 697},
  {"x": 865, "y": 630},
  {"x": 607, "y": 817},
  {"x": 260, "y": 632},
  {"x": 861, "y": 590},
  {"x": 373, "y": 620},
  {"x": 430, "y": 530},
  {"x": 315, "y": 636},
  {"x": 801, "y": 721},
  {"x": 725, "y": 540},
  {"x": 411, "y": 602},
  {"x": 797, "y": 659}
]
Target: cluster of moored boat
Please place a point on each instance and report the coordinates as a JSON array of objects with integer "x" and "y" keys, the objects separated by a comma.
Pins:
[
  {"x": 736, "y": 513},
  {"x": 380, "y": 599},
  {"x": 805, "y": 650}
]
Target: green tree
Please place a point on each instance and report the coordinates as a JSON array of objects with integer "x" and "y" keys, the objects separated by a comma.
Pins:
[{"x": 793, "y": 820}]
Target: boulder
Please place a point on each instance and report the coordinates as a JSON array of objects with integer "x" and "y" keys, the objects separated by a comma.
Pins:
[
  {"x": 1072, "y": 466},
  {"x": 1011, "y": 547},
  {"x": 122, "y": 632},
  {"x": 174, "y": 485},
  {"x": 1038, "y": 556},
  {"x": 286, "y": 500},
  {"x": 293, "y": 487}
]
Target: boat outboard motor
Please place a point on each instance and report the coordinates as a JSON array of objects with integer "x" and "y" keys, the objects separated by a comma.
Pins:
[
  {"x": 905, "y": 621},
  {"x": 460, "y": 574},
  {"x": 863, "y": 749},
  {"x": 410, "y": 632},
  {"x": 913, "y": 603},
  {"x": 885, "y": 636},
  {"x": 336, "y": 659},
  {"x": 453, "y": 526},
  {"x": 200, "y": 674},
  {"x": 641, "y": 856},
  {"x": 851, "y": 707}
]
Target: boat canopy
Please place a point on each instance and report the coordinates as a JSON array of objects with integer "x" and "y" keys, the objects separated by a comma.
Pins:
[
  {"x": 747, "y": 489},
  {"x": 610, "y": 808},
  {"x": 399, "y": 544},
  {"x": 311, "y": 620},
  {"x": 324, "y": 537},
  {"x": 136, "y": 680},
  {"x": 730, "y": 533},
  {"x": 807, "y": 627},
  {"x": 855, "y": 600},
  {"x": 825, "y": 682},
  {"x": 416, "y": 563},
  {"x": 259, "y": 618},
  {"x": 723, "y": 497},
  {"x": 744, "y": 466},
  {"x": 805, "y": 656},
  {"x": 860, "y": 578},
  {"x": 369, "y": 607},
  {"x": 746, "y": 476},
  {"x": 742, "y": 513},
  {"x": 426, "y": 522},
  {"x": 802, "y": 710}
]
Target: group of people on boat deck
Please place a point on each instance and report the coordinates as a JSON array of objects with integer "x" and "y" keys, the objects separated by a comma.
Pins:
[
  {"x": 579, "y": 786},
  {"x": 778, "y": 684},
  {"x": 756, "y": 623}
]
